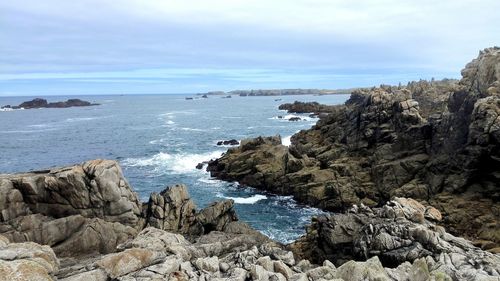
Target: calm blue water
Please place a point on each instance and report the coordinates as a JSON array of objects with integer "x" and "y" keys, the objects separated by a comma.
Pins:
[{"x": 159, "y": 139}]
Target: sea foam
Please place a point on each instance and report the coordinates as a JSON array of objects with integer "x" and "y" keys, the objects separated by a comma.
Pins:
[
  {"x": 179, "y": 163},
  {"x": 245, "y": 200}
]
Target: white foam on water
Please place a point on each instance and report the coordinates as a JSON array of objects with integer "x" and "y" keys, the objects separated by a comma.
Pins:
[
  {"x": 286, "y": 141},
  {"x": 179, "y": 163},
  {"x": 245, "y": 200},
  {"x": 193, "y": 129},
  {"x": 211, "y": 181},
  {"x": 39, "y": 126},
  {"x": 81, "y": 119},
  {"x": 289, "y": 116}
]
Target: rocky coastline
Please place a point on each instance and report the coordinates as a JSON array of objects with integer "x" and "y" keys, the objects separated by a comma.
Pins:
[
  {"x": 437, "y": 142},
  {"x": 84, "y": 222},
  {"x": 411, "y": 175}
]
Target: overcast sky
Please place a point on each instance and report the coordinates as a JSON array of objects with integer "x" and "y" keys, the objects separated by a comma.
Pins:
[{"x": 61, "y": 47}]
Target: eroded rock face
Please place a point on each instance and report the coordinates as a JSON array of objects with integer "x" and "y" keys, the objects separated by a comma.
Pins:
[
  {"x": 211, "y": 244},
  {"x": 81, "y": 209},
  {"x": 90, "y": 208},
  {"x": 434, "y": 141},
  {"x": 398, "y": 234}
]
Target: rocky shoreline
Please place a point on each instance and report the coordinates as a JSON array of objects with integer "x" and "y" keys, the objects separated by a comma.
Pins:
[
  {"x": 437, "y": 142},
  {"x": 84, "y": 222},
  {"x": 410, "y": 173}
]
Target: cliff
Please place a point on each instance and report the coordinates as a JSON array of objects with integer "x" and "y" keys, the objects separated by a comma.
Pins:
[{"x": 438, "y": 143}]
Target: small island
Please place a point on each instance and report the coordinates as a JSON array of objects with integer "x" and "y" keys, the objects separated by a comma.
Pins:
[{"x": 42, "y": 103}]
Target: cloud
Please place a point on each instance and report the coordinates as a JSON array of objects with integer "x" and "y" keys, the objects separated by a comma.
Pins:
[{"x": 318, "y": 40}]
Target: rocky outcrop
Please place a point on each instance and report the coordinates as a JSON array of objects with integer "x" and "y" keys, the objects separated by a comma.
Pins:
[
  {"x": 173, "y": 210},
  {"x": 156, "y": 254},
  {"x": 90, "y": 208},
  {"x": 89, "y": 233},
  {"x": 79, "y": 209},
  {"x": 228, "y": 142},
  {"x": 42, "y": 103},
  {"x": 437, "y": 142},
  {"x": 400, "y": 233},
  {"x": 307, "y": 107}
]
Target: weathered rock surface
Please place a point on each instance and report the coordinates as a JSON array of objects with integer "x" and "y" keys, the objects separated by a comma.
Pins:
[
  {"x": 435, "y": 141},
  {"x": 401, "y": 233},
  {"x": 90, "y": 208},
  {"x": 92, "y": 242},
  {"x": 79, "y": 209}
]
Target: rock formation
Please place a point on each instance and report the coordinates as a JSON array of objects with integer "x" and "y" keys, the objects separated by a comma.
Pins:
[
  {"x": 84, "y": 222},
  {"x": 90, "y": 208},
  {"x": 437, "y": 142},
  {"x": 398, "y": 233},
  {"x": 228, "y": 142},
  {"x": 42, "y": 103},
  {"x": 307, "y": 107}
]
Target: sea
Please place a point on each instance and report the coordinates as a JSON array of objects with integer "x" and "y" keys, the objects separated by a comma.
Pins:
[{"x": 158, "y": 141}]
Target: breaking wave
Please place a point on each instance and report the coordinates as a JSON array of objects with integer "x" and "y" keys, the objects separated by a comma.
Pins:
[{"x": 179, "y": 163}]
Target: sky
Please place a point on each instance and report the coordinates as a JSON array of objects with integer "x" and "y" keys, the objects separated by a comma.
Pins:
[{"x": 87, "y": 47}]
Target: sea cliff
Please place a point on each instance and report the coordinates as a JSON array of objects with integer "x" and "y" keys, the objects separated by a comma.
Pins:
[{"x": 437, "y": 142}]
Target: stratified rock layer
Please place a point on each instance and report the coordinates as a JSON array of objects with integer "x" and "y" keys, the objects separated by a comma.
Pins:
[{"x": 437, "y": 142}]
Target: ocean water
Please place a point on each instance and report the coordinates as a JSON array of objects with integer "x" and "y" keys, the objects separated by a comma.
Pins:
[{"x": 158, "y": 140}]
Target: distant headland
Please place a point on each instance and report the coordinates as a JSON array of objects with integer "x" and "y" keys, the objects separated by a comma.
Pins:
[{"x": 281, "y": 92}]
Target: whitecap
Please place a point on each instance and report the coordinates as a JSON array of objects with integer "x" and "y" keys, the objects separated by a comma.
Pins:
[
  {"x": 286, "y": 141},
  {"x": 211, "y": 181},
  {"x": 289, "y": 116},
  {"x": 192, "y": 129},
  {"x": 172, "y": 163},
  {"x": 39, "y": 126},
  {"x": 245, "y": 200},
  {"x": 80, "y": 119}
]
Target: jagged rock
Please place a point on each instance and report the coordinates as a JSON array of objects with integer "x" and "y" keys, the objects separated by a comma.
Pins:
[
  {"x": 88, "y": 208},
  {"x": 217, "y": 216},
  {"x": 42, "y": 103},
  {"x": 436, "y": 141},
  {"x": 228, "y": 142},
  {"x": 393, "y": 235},
  {"x": 173, "y": 210},
  {"x": 306, "y": 107}
]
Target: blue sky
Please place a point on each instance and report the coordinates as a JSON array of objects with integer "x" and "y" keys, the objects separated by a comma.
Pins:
[{"x": 60, "y": 47}]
